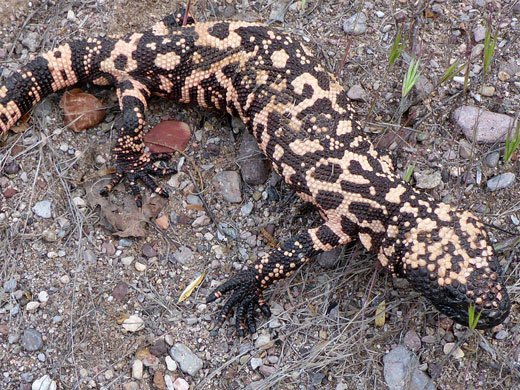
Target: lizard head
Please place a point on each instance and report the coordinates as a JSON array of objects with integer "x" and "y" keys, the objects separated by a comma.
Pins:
[{"x": 448, "y": 258}]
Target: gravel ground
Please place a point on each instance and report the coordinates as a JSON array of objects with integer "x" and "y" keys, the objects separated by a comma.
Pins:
[{"x": 84, "y": 306}]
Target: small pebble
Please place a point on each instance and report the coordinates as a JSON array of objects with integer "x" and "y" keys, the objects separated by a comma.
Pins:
[
  {"x": 32, "y": 340},
  {"x": 501, "y": 181},
  {"x": 10, "y": 285},
  {"x": 491, "y": 159},
  {"x": 189, "y": 362},
  {"x": 137, "y": 369},
  {"x": 148, "y": 251},
  {"x": 501, "y": 334},
  {"x": 181, "y": 384},
  {"x": 255, "y": 363},
  {"x": 42, "y": 209},
  {"x": 43, "y": 296},
  {"x": 356, "y": 92},
  {"x": 427, "y": 180},
  {"x": 263, "y": 340},
  {"x": 140, "y": 266},
  {"x": 457, "y": 353},
  {"x": 227, "y": 183},
  {"x": 32, "y": 306},
  {"x": 183, "y": 254},
  {"x": 44, "y": 383},
  {"x": 488, "y": 91},
  {"x": 127, "y": 260},
  {"x": 171, "y": 365},
  {"x": 356, "y": 24},
  {"x": 133, "y": 324},
  {"x": 412, "y": 340}
]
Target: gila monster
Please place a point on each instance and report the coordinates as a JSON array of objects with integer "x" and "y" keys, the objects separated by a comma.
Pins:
[{"x": 307, "y": 126}]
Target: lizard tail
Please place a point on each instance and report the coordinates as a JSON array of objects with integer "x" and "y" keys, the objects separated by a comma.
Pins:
[{"x": 54, "y": 70}]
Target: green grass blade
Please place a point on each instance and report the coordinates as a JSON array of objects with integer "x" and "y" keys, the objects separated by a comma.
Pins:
[
  {"x": 450, "y": 72},
  {"x": 408, "y": 174},
  {"x": 411, "y": 77},
  {"x": 396, "y": 49},
  {"x": 489, "y": 48},
  {"x": 512, "y": 142}
]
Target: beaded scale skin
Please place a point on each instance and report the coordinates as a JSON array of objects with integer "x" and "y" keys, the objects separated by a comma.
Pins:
[{"x": 306, "y": 125}]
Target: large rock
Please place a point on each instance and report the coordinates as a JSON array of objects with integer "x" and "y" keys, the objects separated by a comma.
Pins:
[{"x": 490, "y": 126}]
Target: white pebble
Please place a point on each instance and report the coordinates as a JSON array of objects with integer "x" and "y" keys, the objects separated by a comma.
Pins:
[
  {"x": 133, "y": 323},
  {"x": 140, "y": 266},
  {"x": 44, "y": 383},
  {"x": 32, "y": 306},
  {"x": 127, "y": 260},
  {"x": 171, "y": 364},
  {"x": 137, "y": 369},
  {"x": 43, "y": 296}
]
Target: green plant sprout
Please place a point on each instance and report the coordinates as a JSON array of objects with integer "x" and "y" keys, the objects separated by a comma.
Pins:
[
  {"x": 411, "y": 77},
  {"x": 489, "y": 48},
  {"x": 472, "y": 318},
  {"x": 408, "y": 173},
  {"x": 512, "y": 142},
  {"x": 396, "y": 49}
]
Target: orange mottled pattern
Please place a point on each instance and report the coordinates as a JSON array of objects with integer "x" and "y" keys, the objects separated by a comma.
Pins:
[{"x": 306, "y": 125}]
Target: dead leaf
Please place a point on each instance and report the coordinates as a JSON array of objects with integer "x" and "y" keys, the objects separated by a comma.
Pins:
[
  {"x": 81, "y": 110},
  {"x": 188, "y": 290},
  {"x": 126, "y": 221},
  {"x": 167, "y": 137},
  {"x": 19, "y": 128},
  {"x": 271, "y": 241},
  {"x": 380, "y": 314},
  {"x": 195, "y": 207}
]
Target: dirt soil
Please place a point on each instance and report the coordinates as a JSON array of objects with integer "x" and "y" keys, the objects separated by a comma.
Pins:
[{"x": 74, "y": 282}]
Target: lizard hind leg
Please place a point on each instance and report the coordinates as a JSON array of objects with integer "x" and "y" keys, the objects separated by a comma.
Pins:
[
  {"x": 248, "y": 286},
  {"x": 132, "y": 163}
]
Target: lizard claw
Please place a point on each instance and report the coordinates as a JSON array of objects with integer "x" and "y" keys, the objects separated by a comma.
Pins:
[
  {"x": 246, "y": 296},
  {"x": 141, "y": 169}
]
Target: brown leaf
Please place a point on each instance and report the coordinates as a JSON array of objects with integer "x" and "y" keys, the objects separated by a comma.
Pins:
[
  {"x": 22, "y": 127},
  {"x": 81, "y": 110},
  {"x": 129, "y": 222},
  {"x": 167, "y": 137}
]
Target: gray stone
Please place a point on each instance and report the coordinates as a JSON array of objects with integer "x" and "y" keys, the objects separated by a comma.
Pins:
[
  {"x": 32, "y": 340},
  {"x": 401, "y": 371},
  {"x": 427, "y": 181},
  {"x": 491, "y": 127},
  {"x": 187, "y": 360},
  {"x": 464, "y": 149},
  {"x": 194, "y": 199},
  {"x": 246, "y": 209},
  {"x": 479, "y": 33},
  {"x": 501, "y": 181},
  {"x": 10, "y": 285},
  {"x": 423, "y": 86},
  {"x": 356, "y": 92},
  {"x": 356, "y": 24},
  {"x": 252, "y": 161},
  {"x": 330, "y": 258},
  {"x": 31, "y": 41},
  {"x": 412, "y": 340},
  {"x": 227, "y": 183},
  {"x": 125, "y": 242},
  {"x": 263, "y": 340},
  {"x": 89, "y": 256},
  {"x": 255, "y": 363},
  {"x": 491, "y": 159},
  {"x": 42, "y": 209},
  {"x": 183, "y": 254}
]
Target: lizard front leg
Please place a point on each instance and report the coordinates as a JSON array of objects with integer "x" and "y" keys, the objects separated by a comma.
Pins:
[
  {"x": 249, "y": 285},
  {"x": 132, "y": 162}
]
